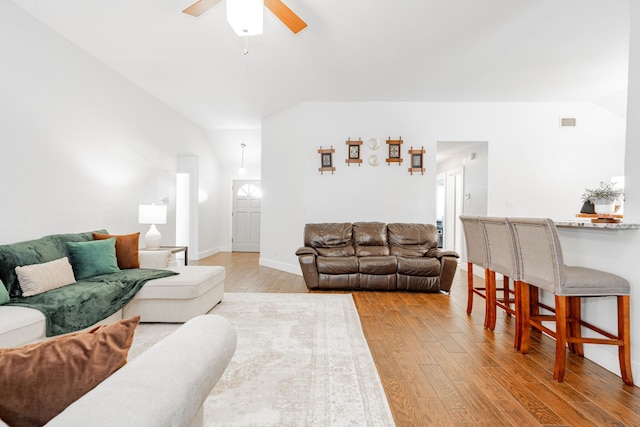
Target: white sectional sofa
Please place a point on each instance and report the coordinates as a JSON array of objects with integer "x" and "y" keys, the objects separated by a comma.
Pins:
[
  {"x": 175, "y": 299},
  {"x": 166, "y": 385}
]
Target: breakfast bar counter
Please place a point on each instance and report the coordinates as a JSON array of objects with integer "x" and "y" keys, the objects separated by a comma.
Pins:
[{"x": 577, "y": 223}]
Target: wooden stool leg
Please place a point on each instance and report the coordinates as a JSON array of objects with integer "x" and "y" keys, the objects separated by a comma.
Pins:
[
  {"x": 517, "y": 288},
  {"x": 525, "y": 305},
  {"x": 490, "y": 312},
  {"x": 561, "y": 337},
  {"x": 469, "y": 287},
  {"x": 534, "y": 301},
  {"x": 624, "y": 333},
  {"x": 575, "y": 331},
  {"x": 506, "y": 292}
]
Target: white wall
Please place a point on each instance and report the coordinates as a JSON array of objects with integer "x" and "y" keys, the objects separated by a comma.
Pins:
[
  {"x": 81, "y": 146},
  {"x": 541, "y": 168}
]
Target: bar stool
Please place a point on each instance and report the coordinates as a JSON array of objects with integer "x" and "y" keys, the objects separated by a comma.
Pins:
[
  {"x": 476, "y": 254},
  {"x": 501, "y": 259},
  {"x": 540, "y": 261}
]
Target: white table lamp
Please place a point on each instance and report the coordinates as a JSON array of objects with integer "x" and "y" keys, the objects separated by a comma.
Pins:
[{"x": 152, "y": 214}]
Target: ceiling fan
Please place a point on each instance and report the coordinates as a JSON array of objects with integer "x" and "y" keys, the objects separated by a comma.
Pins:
[{"x": 277, "y": 7}]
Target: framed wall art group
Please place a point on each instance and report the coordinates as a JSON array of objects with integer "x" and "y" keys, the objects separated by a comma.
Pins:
[{"x": 355, "y": 155}]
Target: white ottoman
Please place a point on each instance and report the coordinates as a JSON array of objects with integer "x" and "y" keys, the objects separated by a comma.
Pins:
[{"x": 176, "y": 299}]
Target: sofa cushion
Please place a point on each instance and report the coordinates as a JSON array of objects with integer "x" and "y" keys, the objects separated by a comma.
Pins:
[
  {"x": 327, "y": 235},
  {"x": 37, "y": 278},
  {"x": 337, "y": 265},
  {"x": 126, "y": 248},
  {"x": 415, "y": 266},
  {"x": 365, "y": 251},
  {"x": 339, "y": 251},
  {"x": 370, "y": 233},
  {"x": 93, "y": 258},
  {"x": 194, "y": 291},
  {"x": 378, "y": 265},
  {"x": 370, "y": 239},
  {"x": 37, "y": 251},
  {"x": 191, "y": 282},
  {"x": 46, "y": 377},
  {"x": 412, "y": 239}
]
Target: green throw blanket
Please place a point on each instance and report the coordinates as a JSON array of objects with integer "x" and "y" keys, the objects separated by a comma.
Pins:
[{"x": 88, "y": 301}]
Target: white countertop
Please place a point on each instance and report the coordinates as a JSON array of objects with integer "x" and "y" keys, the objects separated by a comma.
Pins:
[{"x": 586, "y": 223}]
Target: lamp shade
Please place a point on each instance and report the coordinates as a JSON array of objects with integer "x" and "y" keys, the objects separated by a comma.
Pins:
[
  {"x": 152, "y": 214},
  {"x": 245, "y": 16}
]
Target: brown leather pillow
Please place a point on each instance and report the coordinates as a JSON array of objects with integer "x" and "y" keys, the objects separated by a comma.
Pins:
[
  {"x": 126, "y": 248},
  {"x": 38, "y": 381}
]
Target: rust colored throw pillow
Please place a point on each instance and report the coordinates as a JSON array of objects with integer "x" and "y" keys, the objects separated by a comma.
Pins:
[
  {"x": 38, "y": 381},
  {"x": 126, "y": 248}
]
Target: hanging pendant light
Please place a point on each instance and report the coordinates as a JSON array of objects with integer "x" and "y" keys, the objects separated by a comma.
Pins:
[{"x": 241, "y": 171}]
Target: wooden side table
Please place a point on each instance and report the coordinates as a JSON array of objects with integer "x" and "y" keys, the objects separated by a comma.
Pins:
[
  {"x": 174, "y": 250},
  {"x": 178, "y": 249}
]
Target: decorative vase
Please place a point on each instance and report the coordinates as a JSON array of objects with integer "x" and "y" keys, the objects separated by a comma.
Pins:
[
  {"x": 604, "y": 207},
  {"x": 587, "y": 208}
]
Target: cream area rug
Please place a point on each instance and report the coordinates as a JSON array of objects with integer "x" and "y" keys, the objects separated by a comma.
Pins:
[{"x": 301, "y": 360}]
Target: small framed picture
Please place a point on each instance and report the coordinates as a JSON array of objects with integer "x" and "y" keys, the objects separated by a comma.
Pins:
[
  {"x": 354, "y": 151},
  {"x": 326, "y": 160},
  {"x": 416, "y": 160},
  {"x": 394, "y": 151}
]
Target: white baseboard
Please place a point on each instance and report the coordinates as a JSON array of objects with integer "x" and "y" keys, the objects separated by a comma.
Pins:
[
  {"x": 204, "y": 254},
  {"x": 279, "y": 265}
]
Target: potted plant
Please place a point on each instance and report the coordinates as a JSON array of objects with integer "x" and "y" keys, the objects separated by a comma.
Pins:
[{"x": 603, "y": 197}]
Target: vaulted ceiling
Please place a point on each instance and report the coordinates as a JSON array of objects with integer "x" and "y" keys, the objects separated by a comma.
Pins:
[{"x": 353, "y": 50}]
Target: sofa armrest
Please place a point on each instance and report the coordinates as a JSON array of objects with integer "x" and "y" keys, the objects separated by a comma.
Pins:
[
  {"x": 164, "y": 386},
  {"x": 154, "y": 259},
  {"x": 448, "y": 267},
  {"x": 306, "y": 250},
  {"x": 309, "y": 270},
  {"x": 438, "y": 253}
]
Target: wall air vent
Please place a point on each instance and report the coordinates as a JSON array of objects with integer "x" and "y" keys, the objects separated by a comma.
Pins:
[{"x": 567, "y": 122}]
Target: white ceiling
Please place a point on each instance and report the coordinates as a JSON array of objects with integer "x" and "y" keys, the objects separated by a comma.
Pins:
[{"x": 353, "y": 50}]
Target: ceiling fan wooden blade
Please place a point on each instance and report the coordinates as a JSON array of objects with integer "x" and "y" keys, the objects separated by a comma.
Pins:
[
  {"x": 286, "y": 15},
  {"x": 200, "y": 7}
]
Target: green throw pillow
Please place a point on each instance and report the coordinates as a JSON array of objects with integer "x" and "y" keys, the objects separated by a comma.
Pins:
[
  {"x": 93, "y": 258},
  {"x": 4, "y": 294}
]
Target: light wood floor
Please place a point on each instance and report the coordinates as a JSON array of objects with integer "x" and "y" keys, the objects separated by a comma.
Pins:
[{"x": 439, "y": 366}]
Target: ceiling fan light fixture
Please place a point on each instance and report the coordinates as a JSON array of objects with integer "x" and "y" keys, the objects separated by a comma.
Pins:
[{"x": 245, "y": 16}]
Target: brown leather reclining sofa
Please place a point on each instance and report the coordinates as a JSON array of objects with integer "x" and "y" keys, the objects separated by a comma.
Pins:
[{"x": 375, "y": 256}]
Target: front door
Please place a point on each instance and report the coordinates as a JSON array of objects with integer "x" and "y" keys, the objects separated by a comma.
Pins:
[{"x": 246, "y": 216}]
